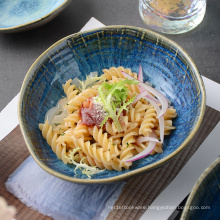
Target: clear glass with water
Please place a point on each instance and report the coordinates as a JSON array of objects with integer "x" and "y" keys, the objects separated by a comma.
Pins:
[{"x": 172, "y": 16}]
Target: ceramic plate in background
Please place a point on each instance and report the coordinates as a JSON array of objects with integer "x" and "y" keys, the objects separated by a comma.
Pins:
[
  {"x": 203, "y": 202},
  {"x": 20, "y": 15}
]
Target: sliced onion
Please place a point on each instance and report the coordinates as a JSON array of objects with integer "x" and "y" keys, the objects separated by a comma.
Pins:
[
  {"x": 54, "y": 112},
  {"x": 144, "y": 139},
  {"x": 150, "y": 89},
  {"x": 140, "y": 77},
  {"x": 146, "y": 151},
  {"x": 50, "y": 114},
  {"x": 144, "y": 94},
  {"x": 61, "y": 103},
  {"x": 140, "y": 96},
  {"x": 148, "y": 83},
  {"x": 161, "y": 119},
  {"x": 161, "y": 98},
  {"x": 77, "y": 83},
  {"x": 140, "y": 74},
  {"x": 93, "y": 74},
  {"x": 58, "y": 119}
]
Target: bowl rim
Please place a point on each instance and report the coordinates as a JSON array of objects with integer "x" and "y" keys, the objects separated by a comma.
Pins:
[
  {"x": 197, "y": 185},
  {"x": 29, "y": 24},
  {"x": 132, "y": 172}
]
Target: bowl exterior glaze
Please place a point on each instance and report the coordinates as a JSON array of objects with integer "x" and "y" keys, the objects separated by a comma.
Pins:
[
  {"x": 205, "y": 196},
  {"x": 22, "y": 15},
  {"x": 165, "y": 65}
]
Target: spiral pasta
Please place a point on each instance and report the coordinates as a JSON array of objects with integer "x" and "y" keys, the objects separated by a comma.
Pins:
[
  {"x": 51, "y": 138},
  {"x": 149, "y": 121},
  {"x": 128, "y": 145},
  {"x": 70, "y": 90},
  {"x": 136, "y": 113},
  {"x": 106, "y": 143},
  {"x": 72, "y": 119},
  {"x": 104, "y": 146},
  {"x": 75, "y": 103},
  {"x": 98, "y": 156},
  {"x": 114, "y": 75},
  {"x": 167, "y": 128}
]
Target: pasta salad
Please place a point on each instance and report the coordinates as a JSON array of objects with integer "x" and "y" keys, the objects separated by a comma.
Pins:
[{"x": 108, "y": 122}]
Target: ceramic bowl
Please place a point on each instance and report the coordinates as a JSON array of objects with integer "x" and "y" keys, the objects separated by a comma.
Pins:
[
  {"x": 204, "y": 200},
  {"x": 20, "y": 15},
  {"x": 166, "y": 65}
]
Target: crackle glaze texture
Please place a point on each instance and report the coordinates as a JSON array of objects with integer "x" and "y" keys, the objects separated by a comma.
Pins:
[
  {"x": 164, "y": 63},
  {"x": 18, "y": 15},
  {"x": 206, "y": 193}
]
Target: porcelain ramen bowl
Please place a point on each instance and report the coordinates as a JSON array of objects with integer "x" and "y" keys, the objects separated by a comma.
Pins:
[
  {"x": 21, "y": 15},
  {"x": 165, "y": 64}
]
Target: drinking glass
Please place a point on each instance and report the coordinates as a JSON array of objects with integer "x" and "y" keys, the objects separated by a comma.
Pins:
[{"x": 172, "y": 16}]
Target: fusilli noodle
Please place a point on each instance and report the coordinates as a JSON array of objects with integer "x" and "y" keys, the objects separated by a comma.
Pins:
[{"x": 104, "y": 145}]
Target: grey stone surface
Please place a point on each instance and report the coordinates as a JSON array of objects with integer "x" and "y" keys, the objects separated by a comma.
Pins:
[{"x": 18, "y": 51}]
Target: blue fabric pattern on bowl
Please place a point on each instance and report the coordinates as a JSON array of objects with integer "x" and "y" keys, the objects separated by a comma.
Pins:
[{"x": 165, "y": 65}]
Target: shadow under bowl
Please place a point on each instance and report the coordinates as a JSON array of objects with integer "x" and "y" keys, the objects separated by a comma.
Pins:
[{"x": 165, "y": 64}]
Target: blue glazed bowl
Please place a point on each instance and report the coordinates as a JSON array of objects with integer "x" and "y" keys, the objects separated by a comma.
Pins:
[
  {"x": 166, "y": 65},
  {"x": 204, "y": 200},
  {"x": 20, "y": 15}
]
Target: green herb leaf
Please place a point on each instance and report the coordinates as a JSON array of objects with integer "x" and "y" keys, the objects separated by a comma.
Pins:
[
  {"x": 85, "y": 169},
  {"x": 113, "y": 97}
]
